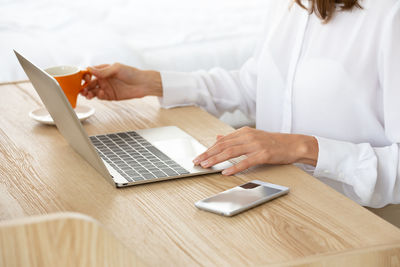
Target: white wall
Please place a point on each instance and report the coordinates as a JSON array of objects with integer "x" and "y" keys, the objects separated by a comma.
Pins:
[{"x": 182, "y": 35}]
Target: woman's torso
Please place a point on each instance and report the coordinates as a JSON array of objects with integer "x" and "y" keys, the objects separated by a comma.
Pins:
[{"x": 323, "y": 79}]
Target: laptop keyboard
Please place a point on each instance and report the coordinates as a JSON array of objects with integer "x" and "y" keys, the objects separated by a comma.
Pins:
[{"x": 134, "y": 157}]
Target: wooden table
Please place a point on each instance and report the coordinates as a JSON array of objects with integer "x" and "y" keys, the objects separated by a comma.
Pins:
[{"x": 40, "y": 173}]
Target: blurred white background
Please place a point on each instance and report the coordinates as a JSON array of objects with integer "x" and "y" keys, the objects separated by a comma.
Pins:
[{"x": 182, "y": 35}]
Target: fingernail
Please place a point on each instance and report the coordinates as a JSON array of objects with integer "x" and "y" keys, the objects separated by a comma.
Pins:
[
  {"x": 204, "y": 163},
  {"x": 226, "y": 172},
  {"x": 92, "y": 69},
  {"x": 196, "y": 161}
]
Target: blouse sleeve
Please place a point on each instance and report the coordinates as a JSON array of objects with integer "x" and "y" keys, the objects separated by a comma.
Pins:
[
  {"x": 371, "y": 175},
  {"x": 217, "y": 90}
]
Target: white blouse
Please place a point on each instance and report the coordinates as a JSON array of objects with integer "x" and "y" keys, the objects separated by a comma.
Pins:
[{"x": 339, "y": 82}]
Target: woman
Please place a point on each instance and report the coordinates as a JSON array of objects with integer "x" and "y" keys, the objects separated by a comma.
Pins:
[{"x": 324, "y": 89}]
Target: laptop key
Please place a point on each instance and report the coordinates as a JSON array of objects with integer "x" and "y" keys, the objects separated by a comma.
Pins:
[
  {"x": 127, "y": 177},
  {"x": 170, "y": 172},
  {"x": 148, "y": 175},
  {"x": 132, "y": 173},
  {"x": 134, "y": 157},
  {"x": 181, "y": 171},
  {"x": 137, "y": 178},
  {"x": 159, "y": 174},
  {"x": 158, "y": 153}
]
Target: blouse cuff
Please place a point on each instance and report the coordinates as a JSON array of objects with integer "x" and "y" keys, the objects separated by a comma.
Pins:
[
  {"x": 179, "y": 89},
  {"x": 352, "y": 164}
]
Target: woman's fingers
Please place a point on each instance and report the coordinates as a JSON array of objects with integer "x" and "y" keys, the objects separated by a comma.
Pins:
[
  {"x": 237, "y": 137},
  {"x": 97, "y": 88},
  {"x": 244, "y": 164},
  {"x": 92, "y": 85},
  {"x": 94, "y": 92},
  {"x": 105, "y": 71},
  {"x": 228, "y": 153},
  {"x": 101, "y": 95},
  {"x": 218, "y": 147},
  {"x": 244, "y": 131},
  {"x": 101, "y": 66},
  {"x": 87, "y": 78},
  {"x": 260, "y": 147}
]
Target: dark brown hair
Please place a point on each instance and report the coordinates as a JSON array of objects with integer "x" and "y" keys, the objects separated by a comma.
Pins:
[{"x": 325, "y": 9}]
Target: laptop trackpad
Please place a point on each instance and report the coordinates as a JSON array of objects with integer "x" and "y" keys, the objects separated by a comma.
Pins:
[{"x": 183, "y": 151}]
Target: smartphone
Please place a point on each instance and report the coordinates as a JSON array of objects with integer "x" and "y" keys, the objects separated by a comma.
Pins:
[{"x": 241, "y": 198}]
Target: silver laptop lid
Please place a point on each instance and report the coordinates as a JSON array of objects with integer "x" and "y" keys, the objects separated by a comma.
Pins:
[{"x": 63, "y": 115}]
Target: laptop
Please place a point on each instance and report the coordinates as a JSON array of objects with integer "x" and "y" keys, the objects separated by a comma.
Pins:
[{"x": 123, "y": 158}]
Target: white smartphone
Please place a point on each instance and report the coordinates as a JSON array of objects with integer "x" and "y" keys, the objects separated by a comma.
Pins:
[{"x": 241, "y": 198}]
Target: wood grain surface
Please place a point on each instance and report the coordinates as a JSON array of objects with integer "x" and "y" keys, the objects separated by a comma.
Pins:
[
  {"x": 375, "y": 256},
  {"x": 40, "y": 173},
  {"x": 62, "y": 240}
]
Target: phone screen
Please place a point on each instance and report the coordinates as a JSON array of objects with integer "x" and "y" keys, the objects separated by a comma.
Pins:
[{"x": 238, "y": 198}]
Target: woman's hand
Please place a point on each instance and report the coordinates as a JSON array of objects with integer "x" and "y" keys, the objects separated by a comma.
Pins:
[
  {"x": 118, "y": 82},
  {"x": 260, "y": 147}
]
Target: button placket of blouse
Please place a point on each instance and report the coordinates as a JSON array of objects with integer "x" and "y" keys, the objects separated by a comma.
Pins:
[{"x": 296, "y": 54}]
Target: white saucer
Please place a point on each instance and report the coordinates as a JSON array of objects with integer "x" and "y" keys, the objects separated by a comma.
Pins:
[{"x": 43, "y": 116}]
